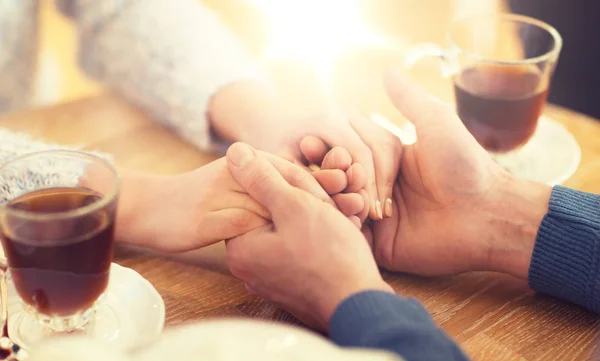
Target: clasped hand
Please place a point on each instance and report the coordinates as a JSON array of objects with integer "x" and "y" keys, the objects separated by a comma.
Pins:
[
  {"x": 208, "y": 205},
  {"x": 454, "y": 210},
  {"x": 294, "y": 238}
]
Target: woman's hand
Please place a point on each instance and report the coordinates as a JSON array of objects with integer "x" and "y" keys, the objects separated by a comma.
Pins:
[
  {"x": 377, "y": 151},
  {"x": 195, "y": 209},
  {"x": 250, "y": 112}
]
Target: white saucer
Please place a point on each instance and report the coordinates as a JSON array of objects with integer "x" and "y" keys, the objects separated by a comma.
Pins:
[
  {"x": 239, "y": 339},
  {"x": 551, "y": 156},
  {"x": 131, "y": 309},
  {"x": 217, "y": 340}
]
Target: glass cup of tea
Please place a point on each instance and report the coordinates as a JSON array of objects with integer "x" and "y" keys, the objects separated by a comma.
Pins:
[
  {"x": 501, "y": 66},
  {"x": 57, "y": 225}
]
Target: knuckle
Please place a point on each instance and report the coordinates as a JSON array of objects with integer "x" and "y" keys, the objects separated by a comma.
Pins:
[
  {"x": 389, "y": 182},
  {"x": 302, "y": 203},
  {"x": 234, "y": 259},
  {"x": 389, "y": 143},
  {"x": 242, "y": 220},
  {"x": 250, "y": 205},
  {"x": 238, "y": 262},
  {"x": 237, "y": 270},
  {"x": 297, "y": 177},
  {"x": 382, "y": 257},
  {"x": 395, "y": 143},
  {"x": 325, "y": 119},
  {"x": 366, "y": 153},
  {"x": 333, "y": 118},
  {"x": 384, "y": 251},
  {"x": 253, "y": 285},
  {"x": 258, "y": 181},
  {"x": 334, "y": 115},
  {"x": 201, "y": 230}
]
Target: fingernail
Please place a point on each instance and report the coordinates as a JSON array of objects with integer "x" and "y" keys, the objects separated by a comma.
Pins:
[
  {"x": 240, "y": 154},
  {"x": 379, "y": 210},
  {"x": 374, "y": 208},
  {"x": 388, "y": 207}
]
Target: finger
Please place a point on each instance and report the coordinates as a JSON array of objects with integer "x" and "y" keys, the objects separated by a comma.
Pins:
[
  {"x": 421, "y": 108},
  {"x": 294, "y": 157},
  {"x": 362, "y": 215},
  {"x": 356, "y": 177},
  {"x": 349, "y": 203},
  {"x": 355, "y": 221},
  {"x": 347, "y": 138},
  {"x": 368, "y": 233},
  {"x": 386, "y": 230},
  {"x": 225, "y": 224},
  {"x": 298, "y": 177},
  {"x": 333, "y": 181},
  {"x": 314, "y": 149},
  {"x": 337, "y": 158},
  {"x": 244, "y": 251},
  {"x": 241, "y": 200},
  {"x": 387, "y": 154},
  {"x": 259, "y": 178}
]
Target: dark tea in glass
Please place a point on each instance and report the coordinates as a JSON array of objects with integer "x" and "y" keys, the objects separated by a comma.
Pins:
[
  {"x": 500, "y": 104},
  {"x": 57, "y": 226},
  {"x": 501, "y": 66},
  {"x": 59, "y": 267}
]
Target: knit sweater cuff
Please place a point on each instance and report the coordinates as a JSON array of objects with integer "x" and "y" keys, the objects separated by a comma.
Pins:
[
  {"x": 382, "y": 320},
  {"x": 565, "y": 257}
]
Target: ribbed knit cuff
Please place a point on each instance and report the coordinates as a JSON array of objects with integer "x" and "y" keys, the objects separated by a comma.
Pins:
[
  {"x": 566, "y": 255},
  {"x": 382, "y": 320}
]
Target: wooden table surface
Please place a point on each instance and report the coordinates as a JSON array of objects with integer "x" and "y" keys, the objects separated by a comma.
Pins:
[{"x": 493, "y": 317}]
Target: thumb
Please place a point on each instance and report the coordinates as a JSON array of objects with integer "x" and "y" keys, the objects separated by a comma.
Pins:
[
  {"x": 259, "y": 178},
  {"x": 415, "y": 103}
]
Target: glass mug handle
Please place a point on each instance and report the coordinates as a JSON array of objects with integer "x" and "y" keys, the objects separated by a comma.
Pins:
[{"x": 448, "y": 64}]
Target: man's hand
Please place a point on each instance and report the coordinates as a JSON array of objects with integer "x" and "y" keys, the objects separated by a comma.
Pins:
[
  {"x": 455, "y": 210},
  {"x": 311, "y": 258}
]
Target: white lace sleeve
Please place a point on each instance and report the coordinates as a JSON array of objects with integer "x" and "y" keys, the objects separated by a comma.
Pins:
[
  {"x": 167, "y": 56},
  {"x": 44, "y": 174}
]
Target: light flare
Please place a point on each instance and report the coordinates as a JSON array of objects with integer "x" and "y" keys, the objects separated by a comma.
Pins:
[{"x": 316, "y": 31}]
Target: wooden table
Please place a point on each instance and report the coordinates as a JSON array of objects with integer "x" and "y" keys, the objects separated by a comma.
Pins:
[{"x": 493, "y": 316}]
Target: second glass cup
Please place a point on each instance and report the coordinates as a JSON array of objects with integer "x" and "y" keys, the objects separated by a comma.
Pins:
[
  {"x": 501, "y": 66},
  {"x": 57, "y": 225}
]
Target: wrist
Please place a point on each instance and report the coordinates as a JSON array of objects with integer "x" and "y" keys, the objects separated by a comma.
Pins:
[
  {"x": 239, "y": 109},
  {"x": 514, "y": 214},
  {"x": 135, "y": 198},
  {"x": 339, "y": 294}
]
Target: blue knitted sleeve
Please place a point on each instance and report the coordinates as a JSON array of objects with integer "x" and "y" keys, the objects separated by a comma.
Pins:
[
  {"x": 385, "y": 321},
  {"x": 566, "y": 255}
]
